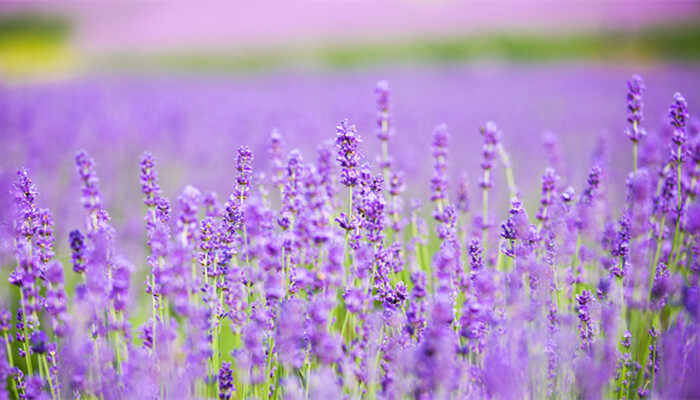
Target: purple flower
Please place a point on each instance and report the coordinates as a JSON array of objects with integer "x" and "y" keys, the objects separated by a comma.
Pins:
[
  {"x": 291, "y": 337},
  {"x": 190, "y": 199},
  {"x": 91, "y": 197},
  {"x": 157, "y": 204},
  {"x": 373, "y": 216},
  {"x": 25, "y": 193},
  {"x": 397, "y": 186},
  {"x": 77, "y": 246},
  {"x": 515, "y": 227},
  {"x": 678, "y": 112},
  {"x": 549, "y": 185},
  {"x": 121, "y": 278},
  {"x": 356, "y": 300},
  {"x": 489, "y": 150},
  {"x": 592, "y": 184},
  {"x": 44, "y": 235},
  {"x": 226, "y": 386},
  {"x": 150, "y": 186},
  {"x": 475, "y": 250},
  {"x": 462, "y": 201},
  {"x": 56, "y": 299},
  {"x": 383, "y": 96},
  {"x": 274, "y": 149},
  {"x": 635, "y": 108},
  {"x": 244, "y": 159},
  {"x": 39, "y": 341},
  {"x": 679, "y": 115},
  {"x": 439, "y": 181},
  {"x": 346, "y": 142},
  {"x": 586, "y": 329}
]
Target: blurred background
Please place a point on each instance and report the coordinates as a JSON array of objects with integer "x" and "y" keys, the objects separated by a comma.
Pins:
[
  {"x": 57, "y": 38},
  {"x": 191, "y": 81}
]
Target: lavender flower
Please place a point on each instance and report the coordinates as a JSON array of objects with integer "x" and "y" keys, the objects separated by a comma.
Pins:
[
  {"x": 679, "y": 115},
  {"x": 25, "y": 193},
  {"x": 264, "y": 298},
  {"x": 439, "y": 181},
  {"x": 549, "y": 184},
  {"x": 77, "y": 246},
  {"x": 346, "y": 142},
  {"x": 463, "y": 201},
  {"x": 585, "y": 326},
  {"x": 190, "y": 200},
  {"x": 44, "y": 236},
  {"x": 91, "y": 197},
  {"x": 226, "y": 387},
  {"x": 635, "y": 108},
  {"x": 244, "y": 167},
  {"x": 274, "y": 149},
  {"x": 157, "y": 204}
]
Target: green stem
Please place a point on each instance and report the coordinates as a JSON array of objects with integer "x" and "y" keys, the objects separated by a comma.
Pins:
[
  {"x": 346, "y": 255},
  {"x": 574, "y": 272},
  {"x": 12, "y": 364},
  {"x": 48, "y": 376},
  {"x": 680, "y": 205},
  {"x": 659, "y": 242},
  {"x": 385, "y": 157},
  {"x": 25, "y": 327},
  {"x": 505, "y": 160}
]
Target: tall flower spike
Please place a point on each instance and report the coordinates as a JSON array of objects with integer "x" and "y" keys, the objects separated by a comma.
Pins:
[
  {"x": 244, "y": 159},
  {"x": 150, "y": 186},
  {"x": 383, "y": 94},
  {"x": 346, "y": 142},
  {"x": 385, "y": 130},
  {"x": 274, "y": 149},
  {"x": 157, "y": 204},
  {"x": 190, "y": 199},
  {"x": 226, "y": 385},
  {"x": 77, "y": 246},
  {"x": 397, "y": 186},
  {"x": 91, "y": 198},
  {"x": 492, "y": 136},
  {"x": 476, "y": 260},
  {"x": 635, "y": 108},
  {"x": 25, "y": 193},
  {"x": 45, "y": 238},
  {"x": 463, "y": 194},
  {"x": 678, "y": 112},
  {"x": 549, "y": 184},
  {"x": 592, "y": 184},
  {"x": 439, "y": 181},
  {"x": 489, "y": 151}
]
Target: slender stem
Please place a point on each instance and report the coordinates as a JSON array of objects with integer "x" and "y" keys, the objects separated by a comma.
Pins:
[
  {"x": 25, "y": 344},
  {"x": 485, "y": 209},
  {"x": 346, "y": 255},
  {"x": 680, "y": 209},
  {"x": 659, "y": 242},
  {"x": 48, "y": 376},
  {"x": 505, "y": 160},
  {"x": 12, "y": 364},
  {"x": 385, "y": 158},
  {"x": 574, "y": 267}
]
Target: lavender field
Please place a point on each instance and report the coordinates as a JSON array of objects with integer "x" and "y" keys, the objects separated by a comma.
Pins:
[{"x": 462, "y": 231}]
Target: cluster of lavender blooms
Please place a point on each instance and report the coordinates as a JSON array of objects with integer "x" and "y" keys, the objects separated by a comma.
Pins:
[{"x": 316, "y": 279}]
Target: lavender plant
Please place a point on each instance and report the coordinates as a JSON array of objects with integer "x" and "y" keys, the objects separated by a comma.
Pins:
[{"x": 292, "y": 288}]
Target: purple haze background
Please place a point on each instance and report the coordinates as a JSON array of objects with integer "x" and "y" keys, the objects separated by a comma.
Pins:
[
  {"x": 104, "y": 27},
  {"x": 194, "y": 123}
]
